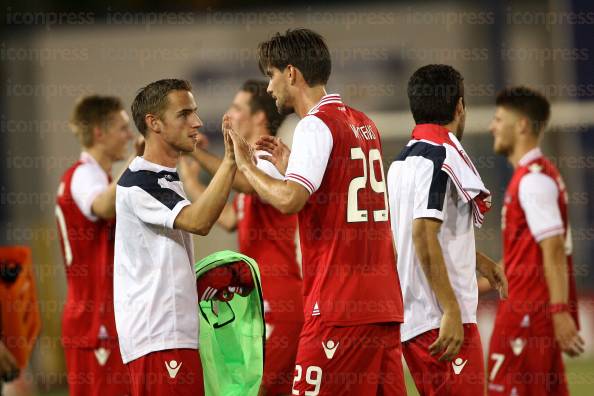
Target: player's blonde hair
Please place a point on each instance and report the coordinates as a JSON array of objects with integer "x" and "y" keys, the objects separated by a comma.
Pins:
[{"x": 91, "y": 111}]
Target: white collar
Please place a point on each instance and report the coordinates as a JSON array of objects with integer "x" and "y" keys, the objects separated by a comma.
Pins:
[
  {"x": 139, "y": 163},
  {"x": 530, "y": 156},
  {"x": 326, "y": 99}
]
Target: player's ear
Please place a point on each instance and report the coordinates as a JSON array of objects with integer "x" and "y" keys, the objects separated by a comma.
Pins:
[
  {"x": 97, "y": 134},
  {"x": 522, "y": 125},
  {"x": 291, "y": 72},
  {"x": 460, "y": 109},
  {"x": 152, "y": 122}
]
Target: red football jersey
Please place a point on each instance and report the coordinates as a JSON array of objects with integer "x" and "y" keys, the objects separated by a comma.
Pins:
[
  {"x": 88, "y": 249},
  {"x": 349, "y": 263},
  {"x": 528, "y": 290},
  {"x": 268, "y": 236}
]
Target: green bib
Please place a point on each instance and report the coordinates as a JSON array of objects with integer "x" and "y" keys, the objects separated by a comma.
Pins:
[{"x": 232, "y": 334}]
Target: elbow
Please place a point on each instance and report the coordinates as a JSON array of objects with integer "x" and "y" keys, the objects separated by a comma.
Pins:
[
  {"x": 203, "y": 229},
  {"x": 289, "y": 207}
]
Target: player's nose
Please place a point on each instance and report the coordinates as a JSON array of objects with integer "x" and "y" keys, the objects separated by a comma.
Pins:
[{"x": 196, "y": 121}]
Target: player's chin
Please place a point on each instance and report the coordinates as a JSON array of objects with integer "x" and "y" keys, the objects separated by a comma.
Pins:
[
  {"x": 499, "y": 148},
  {"x": 188, "y": 146}
]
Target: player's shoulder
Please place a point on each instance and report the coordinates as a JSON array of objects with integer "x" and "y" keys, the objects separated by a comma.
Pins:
[
  {"x": 86, "y": 175},
  {"x": 312, "y": 123},
  {"x": 432, "y": 152}
]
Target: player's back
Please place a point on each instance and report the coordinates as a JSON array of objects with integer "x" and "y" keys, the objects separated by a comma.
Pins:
[
  {"x": 349, "y": 265},
  {"x": 87, "y": 248}
]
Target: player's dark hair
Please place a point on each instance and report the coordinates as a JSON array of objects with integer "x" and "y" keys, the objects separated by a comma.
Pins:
[
  {"x": 302, "y": 48},
  {"x": 433, "y": 93},
  {"x": 260, "y": 100},
  {"x": 527, "y": 102},
  {"x": 91, "y": 111},
  {"x": 152, "y": 99}
]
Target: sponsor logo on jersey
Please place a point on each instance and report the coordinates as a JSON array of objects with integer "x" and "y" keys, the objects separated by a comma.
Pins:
[
  {"x": 172, "y": 185},
  {"x": 458, "y": 365},
  {"x": 517, "y": 345},
  {"x": 102, "y": 354},
  {"x": 172, "y": 368},
  {"x": 330, "y": 348}
]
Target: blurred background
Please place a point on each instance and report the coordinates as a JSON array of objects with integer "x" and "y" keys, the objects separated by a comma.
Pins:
[{"x": 53, "y": 52}]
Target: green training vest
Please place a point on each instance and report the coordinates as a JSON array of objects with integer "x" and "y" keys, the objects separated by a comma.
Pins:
[{"x": 232, "y": 339}]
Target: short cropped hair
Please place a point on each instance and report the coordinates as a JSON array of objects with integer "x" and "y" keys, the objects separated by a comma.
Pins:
[
  {"x": 433, "y": 93},
  {"x": 90, "y": 112},
  {"x": 528, "y": 102},
  {"x": 152, "y": 99},
  {"x": 302, "y": 48}
]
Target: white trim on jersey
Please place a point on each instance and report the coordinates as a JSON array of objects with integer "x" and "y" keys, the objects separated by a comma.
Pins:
[
  {"x": 88, "y": 181},
  {"x": 312, "y": 145},
  {"x": 538, "y": 195}
]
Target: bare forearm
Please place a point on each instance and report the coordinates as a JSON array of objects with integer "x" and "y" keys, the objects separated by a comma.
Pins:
[
  {"x": 199, "y": 217},
  {"x": 273, "y": 191},
  {"x": 194, "y": 189},
  {"x": 211, "y": 164},
  {"x": 484, "y": 263},
  {"x": 555, "y": 269},
  {"x": 104, "y": 204},
  {"x": 432, "y": 262}
]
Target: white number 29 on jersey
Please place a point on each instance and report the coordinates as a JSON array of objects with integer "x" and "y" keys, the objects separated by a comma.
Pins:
[{"x": 378, "y": 185}]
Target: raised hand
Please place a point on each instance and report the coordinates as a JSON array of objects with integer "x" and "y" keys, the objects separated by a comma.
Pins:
[
  {"x": 279, "y": 152},
  {"x": 244, "y": 154},
  {"x": 227, "y": 129}
]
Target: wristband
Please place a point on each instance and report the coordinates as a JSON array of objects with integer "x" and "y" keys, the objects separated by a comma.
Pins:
[{"x": 557, "y": 308}]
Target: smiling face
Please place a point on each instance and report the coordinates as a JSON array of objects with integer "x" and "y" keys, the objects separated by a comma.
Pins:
[
  {"x": 180, "y": 121},
  {"x": 504, "y": 128},
  {"x": 278, "y": 88}
]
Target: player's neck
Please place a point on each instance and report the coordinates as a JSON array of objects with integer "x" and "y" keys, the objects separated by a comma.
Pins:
[
  {"x": 258, "y": 133},
  {"x": 160, "y": 153},
  {"x": 308, "y": 98},
  {"x": 520, "y": 150},
  {"x": 101, "y": 157}
]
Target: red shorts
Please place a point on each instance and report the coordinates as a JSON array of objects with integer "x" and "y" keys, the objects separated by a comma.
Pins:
[
  {"x": 98, "y": 371},
  {"x": 524, "y": 355},
  {"x": 464, "y": 375},
  {"x": 279, "y": 362},
  {"x": 172, "y": 372},
  {"x": 355, "y": 360}
]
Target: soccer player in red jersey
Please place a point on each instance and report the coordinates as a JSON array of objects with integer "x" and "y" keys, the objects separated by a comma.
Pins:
[
  {"x": 85, "y": 212},
  {"x": 539, "y": 319},
  {"x": 266, "y": 235},
  {"x": 334, "y": 180}
]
